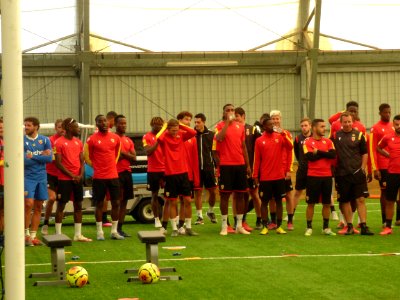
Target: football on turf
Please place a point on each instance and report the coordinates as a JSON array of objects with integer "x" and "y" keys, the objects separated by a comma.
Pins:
[
  {"x": 149, "y": 273},
  {"x": 77, "y": 276}
]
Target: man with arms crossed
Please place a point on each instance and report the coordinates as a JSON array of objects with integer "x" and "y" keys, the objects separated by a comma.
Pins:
[
  {"x": 350, "y": 173},
  {"x": 320, "y": 153}
]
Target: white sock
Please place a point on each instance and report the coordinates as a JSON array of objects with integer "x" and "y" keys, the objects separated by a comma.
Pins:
[
  {"x": 188, "y": 222},
  {"x": 58, "y": 228},
  {"x": 211, "y": 209},
  {"x": 341, "y": 217},
  {"x": 239, "y": 219},
  {"x": 200, "y": 213},
  {"x": 99, "y": 227},
  {"x": 224, "y": 219},
  {"x": 173, "y": 224},
  {"x": 27, "y": 232},
  {"x": 114, "y": 226},
  {"x": 33, "y": 235},
  {"x": 78, "y": 229},
  {"x": 358, "y": 219}
]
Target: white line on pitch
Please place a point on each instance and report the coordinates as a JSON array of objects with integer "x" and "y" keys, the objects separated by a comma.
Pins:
[{"x": 232, "y": 258}]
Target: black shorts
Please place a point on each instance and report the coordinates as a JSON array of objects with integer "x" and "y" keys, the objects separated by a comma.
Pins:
[
  {"x": 68, "y": 190},
  {"x": 177, "y": 185},
  {"x": 155, "y": 181},
  {"x": 319, "y": 188},
  {"x": 288, "y": 185},
  {"x": 393, "y": 185},
  {"x": 126, "y": 185},
  {"x": 233, "y": 179},
  {"x": 272, "y": 189},
  {"x": 251, "y": 184},
  {"x": 352, "y": 186},
  {"x": 207, "y": 179},
  {"x": 301, "y": 180},
  {"x": 100, "y": 187},
  {"x": 52, "y": 182},
  {"x": 383, "y": 181}
]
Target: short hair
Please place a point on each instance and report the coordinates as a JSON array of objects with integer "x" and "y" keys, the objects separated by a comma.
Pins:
[
  {"x": 67, "y": 123},
  {"x": 275, "y": 113},
  {"x": 306, "y": 119},
  {"x": 58, "y": 121},
  {"x": 351, "y": 103},
  {"x": 33, "y": 120},
  {"x": 183, "y": 114},
  {"x": 265, "y": 120},
  {"x": 316, "y": 121},
  {"x": 111, "y": 115},
  {"x": 156, "y": 120},
  {"x": 383, "y": 106},
  {"x": 172, "y": 123},
  {"x": 97, "y": 117},
  {"x": 200, "y": 116},
  {"x": 116, "y": 119},
  {"x": 239, "y": 111},
  {"x": 228, "y": 104},
  {"x": 263, "y": 116},
  {"x": 396, "y": 118},
  {"x": 345, "y": 114}
]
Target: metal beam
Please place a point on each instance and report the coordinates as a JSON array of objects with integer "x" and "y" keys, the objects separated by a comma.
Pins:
[
  {"x": 348, "y": 41},
  {"x": 313, "y": 54},
  {"x": 49, "y": 43},
  {"x": 305, "y": 27},
  {"x": 284, "y": 37},
  {"x": 119, "y": 43}
]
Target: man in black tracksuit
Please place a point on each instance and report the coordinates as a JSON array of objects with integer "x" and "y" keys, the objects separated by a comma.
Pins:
[{"x": 205, "y": 139}]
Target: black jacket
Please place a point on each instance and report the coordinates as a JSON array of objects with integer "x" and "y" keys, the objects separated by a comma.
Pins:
[{"x": 204, "y": 149}]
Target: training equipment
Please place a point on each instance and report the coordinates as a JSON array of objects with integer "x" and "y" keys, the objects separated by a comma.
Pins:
[
  {"x": 149, "y": 273},
  {"x": 56, "y": 243},
  {"x": 77, "y": 277}
]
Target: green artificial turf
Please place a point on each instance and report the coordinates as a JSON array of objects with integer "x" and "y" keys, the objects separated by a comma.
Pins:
[{"x": 274, "y": 266}]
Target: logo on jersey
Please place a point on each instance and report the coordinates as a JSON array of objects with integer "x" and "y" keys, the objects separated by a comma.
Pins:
[
  {"x": 99, "y": 142},
  {"x": 353, "y": 137},
  {"x": 261, "y": 194},
  {"x": 276, "y": 141},
  {"x": 112, "y": 141},
  {"x": 323, "y": 142},
  {"x": 40, "y": 142}
]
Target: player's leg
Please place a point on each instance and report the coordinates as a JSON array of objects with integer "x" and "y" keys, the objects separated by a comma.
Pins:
[
  {"x": 114, "y": 190},
  {"x": 78, "y": 198},
  {"x": 99, "y": 193},
  {"x": 52, "y": 183},
  {"x": 126, "y": 193}
]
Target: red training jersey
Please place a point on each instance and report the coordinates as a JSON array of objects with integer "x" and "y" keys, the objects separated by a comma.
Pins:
[
  {"x": 51, "y": 168},
  {"x": 377, "y": 132},
  {"x": 268, "y": 157},
  {"x": 174, "y": 149},
  {"x": 155, "y": 161},
  {"x": 320, "y": 167},
  {"x": 287, "y": 155},
  {"x": 103, "y": 152},
  {"x": 70, "y": 151},
  {"x": 230, "y": 150},
  {"x": 391, "y": 143},
  {"x": 192, "y": 161},
  {"x": 127, "y": 145},
  {"x": 336, "y": 126}
]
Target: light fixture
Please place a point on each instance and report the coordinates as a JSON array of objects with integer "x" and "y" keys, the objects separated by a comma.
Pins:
[{"x": 202, "y": 63}]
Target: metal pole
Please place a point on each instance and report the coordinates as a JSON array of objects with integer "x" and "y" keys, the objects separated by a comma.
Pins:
[
  {"x": 313, "y": 54},
  {"x": 13, "y": 151}
]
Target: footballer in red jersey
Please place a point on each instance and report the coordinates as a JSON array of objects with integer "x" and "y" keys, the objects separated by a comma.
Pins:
[
  {"x": 171, "y": 139},
  {"x": 268, "y": 171},
  {"x": 127, "y": 156},
  {"x": 52, "y": 179},
  {"x": 230, "y": 154},
  {"x": 378, "y": 161},
  {"x": 70, "y": 164},
  {"x": 320, "y": 154},
  {"x": 155, "y": 171},
  {"x": 287, "y": 164},
  {"x": 102, "y": 150},
  {"x": 389, "y": 146}
]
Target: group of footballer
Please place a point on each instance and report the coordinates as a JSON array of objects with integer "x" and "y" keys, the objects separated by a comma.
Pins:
[{"x": 253, "y": 163}]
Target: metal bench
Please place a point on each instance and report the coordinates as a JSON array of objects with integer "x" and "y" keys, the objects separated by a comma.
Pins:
[
  {"x": 151, "y": 239},
  {"x": 56, "y": 242}
]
